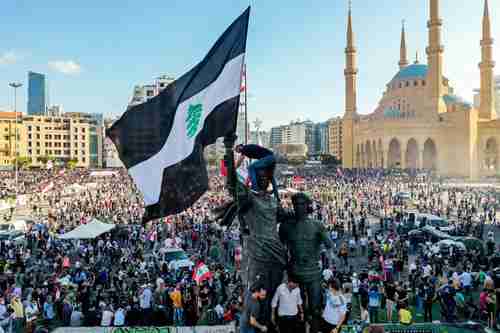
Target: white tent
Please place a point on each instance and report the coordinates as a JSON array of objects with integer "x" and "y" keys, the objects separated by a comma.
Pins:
[
  {"x": 103, "y": 173},
  {"x": 74, "y": 188},
  {"x": 90, "y": 230}
]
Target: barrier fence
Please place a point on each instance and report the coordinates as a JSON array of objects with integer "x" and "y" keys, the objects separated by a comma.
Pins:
[{"x": 168, "y": 329}]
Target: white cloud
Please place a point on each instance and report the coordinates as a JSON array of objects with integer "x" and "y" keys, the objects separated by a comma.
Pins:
[
  {"x": 69, "y": 67},
  {"x": 8, "y": 58}
]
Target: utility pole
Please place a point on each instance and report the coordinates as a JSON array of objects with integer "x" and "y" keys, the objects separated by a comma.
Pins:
[{"x": 16, "y": 85}]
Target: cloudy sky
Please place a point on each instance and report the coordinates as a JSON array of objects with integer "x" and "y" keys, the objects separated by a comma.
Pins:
[{"x": 94, "y": 52}]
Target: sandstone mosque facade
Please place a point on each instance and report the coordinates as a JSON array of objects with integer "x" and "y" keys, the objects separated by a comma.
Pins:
[{"x": 419, "y": 122}]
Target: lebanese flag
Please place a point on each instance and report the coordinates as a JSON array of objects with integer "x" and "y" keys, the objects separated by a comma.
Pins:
[
  {"x": 243, "y": 87},
  {"x": 298, "y": 180},
  {"x": 48, "y": 187},
  {"x": 201, "y": 273},
  {"x": 223, "y": 169}
]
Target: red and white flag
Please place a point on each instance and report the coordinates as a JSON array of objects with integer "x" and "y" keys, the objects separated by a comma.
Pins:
[
  {"x": 243, "y": 87},
  {"x": 48, "y": 187},
  {"x": 201, "y": 273},
  {"x": 223, "y": 169},
  {"x": 297, "y": 180}
]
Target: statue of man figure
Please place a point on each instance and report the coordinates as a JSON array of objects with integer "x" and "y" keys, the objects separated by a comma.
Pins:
[
  {"x": 258, "y": 210},
  {"x": 303, "y": 237}
]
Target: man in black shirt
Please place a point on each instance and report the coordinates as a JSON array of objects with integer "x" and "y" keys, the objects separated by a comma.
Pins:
[
  {"x": 429, "y": 296},
  {"x": 390, "y": 295}
]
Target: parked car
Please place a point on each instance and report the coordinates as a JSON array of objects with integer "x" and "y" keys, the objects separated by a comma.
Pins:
[
  {"x": 176, "y": 259},
  {"x": 433, "y": 221}
]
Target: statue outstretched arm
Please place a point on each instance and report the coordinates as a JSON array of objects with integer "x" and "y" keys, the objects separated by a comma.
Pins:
[{"x": 236, "y": 189}]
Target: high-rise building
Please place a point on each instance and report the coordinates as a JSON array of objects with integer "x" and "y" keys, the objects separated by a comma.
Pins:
[
  {"x": 162, "y": 82},
  {"x": 335, "y": 135},
  {"x": 309, "y": 136},
  {"x": 55, "y": 110},
  {"x": 143, "y": 93},
  {"x": 321, "y": 138},
  {"x": 298, "y": 133},
  {"x": 295, "y": 133},
  {"x": 37, "y": 93},
  {"x": 276, "y": 137}
]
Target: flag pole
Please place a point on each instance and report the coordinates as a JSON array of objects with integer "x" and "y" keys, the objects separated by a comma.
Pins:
[{"x": 246, "y": 105}]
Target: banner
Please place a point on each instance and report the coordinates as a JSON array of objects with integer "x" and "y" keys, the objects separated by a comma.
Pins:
[{"x": 231, "y": 328}]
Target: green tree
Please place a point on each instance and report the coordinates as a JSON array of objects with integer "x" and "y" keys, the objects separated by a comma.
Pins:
[
  {"x": 23, "y": 162},
  {"x": 331, "y": 160},
  {"x": 43, "y": 159},
  {"x": 72, "y": 163}
]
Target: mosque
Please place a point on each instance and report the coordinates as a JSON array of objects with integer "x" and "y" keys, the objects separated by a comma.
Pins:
[{"x": 419, "y": 122}]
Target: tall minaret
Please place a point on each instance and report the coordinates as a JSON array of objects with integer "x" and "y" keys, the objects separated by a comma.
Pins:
[
  {"x": 435, "y": 60},
  {"x": 403, "y": 60},
  {"x": 350, "y": 115},
  {"x": 487, "y": 99}
]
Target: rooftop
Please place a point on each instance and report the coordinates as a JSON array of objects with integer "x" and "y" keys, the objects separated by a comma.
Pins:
[{"x": 411, "y": 72}]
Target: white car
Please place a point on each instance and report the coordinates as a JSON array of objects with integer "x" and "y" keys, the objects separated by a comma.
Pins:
[{"x": 176, "y": 259}]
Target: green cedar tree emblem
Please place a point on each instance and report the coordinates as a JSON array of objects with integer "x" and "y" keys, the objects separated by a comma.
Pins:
[{"x": 193, "y": 119}]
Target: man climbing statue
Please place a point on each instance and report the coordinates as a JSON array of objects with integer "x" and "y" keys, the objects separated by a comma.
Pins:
[{"x": 258, "y": 209}]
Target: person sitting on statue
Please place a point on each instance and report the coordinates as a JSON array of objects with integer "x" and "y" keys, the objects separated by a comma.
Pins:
[
  {"x": 303, "y": 238},
  {"x": 265, "y": 159},
  {"x": 259, "y": 214}
]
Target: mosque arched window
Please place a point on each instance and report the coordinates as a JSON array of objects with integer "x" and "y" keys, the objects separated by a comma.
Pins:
[
  {"x": 423, "y": 82},
  {"x": 407, "y": 83},
  {"x": 400, "y": 85},
  {"x": 415, "y": 83}
]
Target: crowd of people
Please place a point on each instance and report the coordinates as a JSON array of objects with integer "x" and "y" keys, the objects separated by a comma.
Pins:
[{"x": 380, "y": 272}]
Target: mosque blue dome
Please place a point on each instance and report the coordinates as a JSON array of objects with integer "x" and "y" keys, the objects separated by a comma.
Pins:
[
  {"x": 454, "y": 99},
  {"x": 414, "y": 71}
]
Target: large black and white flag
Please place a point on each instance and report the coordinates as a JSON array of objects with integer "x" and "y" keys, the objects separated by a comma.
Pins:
[{"x": 161, "y": 142}]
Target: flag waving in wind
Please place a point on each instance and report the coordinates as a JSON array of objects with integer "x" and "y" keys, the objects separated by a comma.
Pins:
[
  {"x": 201, "y": 273},
  {"x": 161, "y": 141}
]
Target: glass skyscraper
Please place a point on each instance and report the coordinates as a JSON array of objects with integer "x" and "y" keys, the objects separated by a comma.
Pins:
[{"x": 36, "y": 93}]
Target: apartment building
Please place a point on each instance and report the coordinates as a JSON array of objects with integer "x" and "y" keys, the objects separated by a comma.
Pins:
[
  {"x": 335, "y": 137},
  {"x": 73, "y": 136},
  {"x": 10, "y": 125}
]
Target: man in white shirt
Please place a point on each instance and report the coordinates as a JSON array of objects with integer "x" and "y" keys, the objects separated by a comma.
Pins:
[
  {"x": 466, "y": 281},
  {"x": 427, "y": 270},
  {"x": 119, "y": 317},
  {"x": 145, "y": 299},
  {"x": 327, "y": 274},
  {"x": 288, "y": 301}
]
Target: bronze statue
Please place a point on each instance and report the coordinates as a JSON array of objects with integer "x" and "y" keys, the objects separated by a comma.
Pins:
[
  {"x": 303, "y": 238},
  {"x": 258, "y": 212}
]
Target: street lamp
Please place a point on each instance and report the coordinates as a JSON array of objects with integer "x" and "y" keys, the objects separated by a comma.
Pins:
[{"x": 15, "y": 85}]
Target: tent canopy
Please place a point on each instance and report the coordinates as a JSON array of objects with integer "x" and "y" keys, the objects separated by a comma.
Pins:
[
  {"x": 104, "y": 173},
  {"x": 90, "y": 230}
]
